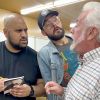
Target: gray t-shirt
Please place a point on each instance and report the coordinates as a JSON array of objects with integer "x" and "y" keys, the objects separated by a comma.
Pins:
[{"x": 70, "y": 61}]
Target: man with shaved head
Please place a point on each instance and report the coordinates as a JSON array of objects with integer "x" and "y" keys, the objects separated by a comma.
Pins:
[
  {"x": 17, "y": 59},
  {"x": 15, "y": 31}
]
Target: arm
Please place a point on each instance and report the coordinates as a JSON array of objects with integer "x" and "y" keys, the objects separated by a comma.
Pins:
[
  {"x": 44, "y": 65},
  {"x": 39, "y": 89}
]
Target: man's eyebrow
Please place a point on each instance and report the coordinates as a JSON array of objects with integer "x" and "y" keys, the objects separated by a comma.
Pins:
[{"x": 21, "y": 29}]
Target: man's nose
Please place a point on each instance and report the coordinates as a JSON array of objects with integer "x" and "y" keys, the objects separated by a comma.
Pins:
[
  {"x": 23, "y": 33},
  {"x": 72, "y": 30},
  {"x": 55, "y": 23}
]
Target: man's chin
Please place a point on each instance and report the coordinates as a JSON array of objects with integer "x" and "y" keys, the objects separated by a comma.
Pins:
[{"x": 23, "y": 46}]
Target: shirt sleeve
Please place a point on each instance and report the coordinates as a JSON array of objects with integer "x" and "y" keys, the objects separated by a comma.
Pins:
[{"x": 44, "y": 67}]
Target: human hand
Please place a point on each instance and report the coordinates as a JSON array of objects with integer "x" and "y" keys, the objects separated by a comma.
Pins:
[
  {"x": 53, "y": 87},
  {"x": 2, "y": 83},
  {"x": 20, "y": 90}
]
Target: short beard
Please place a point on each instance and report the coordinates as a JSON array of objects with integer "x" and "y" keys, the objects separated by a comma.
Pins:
[
  {"x": 16, "y": 46},
  {"x": 73, "y": 45},
  {"x": 57, "y": 37}
]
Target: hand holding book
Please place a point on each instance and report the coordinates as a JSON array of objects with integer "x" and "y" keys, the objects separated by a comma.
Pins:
[{"x": 9, "y": 83}]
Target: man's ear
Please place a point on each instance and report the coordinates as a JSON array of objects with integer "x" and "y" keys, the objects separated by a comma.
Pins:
[
  {"x": 43, "y": 33},
  {"x": 92, "y": 33},
  {"x": 5, "y": 32}
]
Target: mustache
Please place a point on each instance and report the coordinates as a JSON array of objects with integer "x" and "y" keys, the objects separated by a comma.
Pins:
[
  {"x": 24, "y": 39},
  {"x": 57, "y": 28}
]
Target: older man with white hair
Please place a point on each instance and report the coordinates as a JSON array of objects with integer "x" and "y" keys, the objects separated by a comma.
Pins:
[{"x": 85, "y": 84}]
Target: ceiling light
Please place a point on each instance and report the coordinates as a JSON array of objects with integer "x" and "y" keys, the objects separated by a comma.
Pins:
[
  {"x": 50, "y": 5},
  {"x": 60, "y": 3},
  {"x": 37, "y": 8}
]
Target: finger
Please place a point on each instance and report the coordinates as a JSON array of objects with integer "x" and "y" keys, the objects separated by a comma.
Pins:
[
  {"x": 48, "y": 90},
  {"x": 48, "y": 84},
  {"x": 17, "y": 88},
  {"x": 17, "y": 93}
]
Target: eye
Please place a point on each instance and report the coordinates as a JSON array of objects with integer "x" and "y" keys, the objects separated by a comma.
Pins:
[
  {"x": 25, "y": 30},
  {"x": 49, "y": 24},
  {"x": 19, "y": 30}
]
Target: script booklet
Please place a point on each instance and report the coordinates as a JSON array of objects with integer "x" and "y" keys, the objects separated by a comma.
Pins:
[{"x": 9, "y": 83}]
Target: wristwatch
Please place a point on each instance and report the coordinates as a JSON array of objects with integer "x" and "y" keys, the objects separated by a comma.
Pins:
[{"x": 31, "y": 92}]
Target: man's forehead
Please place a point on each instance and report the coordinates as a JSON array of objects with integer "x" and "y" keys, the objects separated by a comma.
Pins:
[
  {"x": 13, "y": 20},
  {"x": 16, "y": 24},
  {"x": 48, "y": 18},
  {"x": 81, "y": 17},
  {"x": 84, "y": 14}
]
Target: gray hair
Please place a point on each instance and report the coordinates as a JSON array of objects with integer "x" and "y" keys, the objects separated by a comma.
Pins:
[
  {"x": 93, "y": 18},
  {"x": 91, "y": 5}
]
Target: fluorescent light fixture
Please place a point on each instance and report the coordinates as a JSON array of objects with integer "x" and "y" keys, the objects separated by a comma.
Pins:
[
  {"x": 50, "y": 5},
  {"x": 60, "y": 3},
  {"x": 37, "y": 8}
]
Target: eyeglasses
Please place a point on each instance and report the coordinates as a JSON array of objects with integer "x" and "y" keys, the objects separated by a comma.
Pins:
[{"x": 49, "y": 24}]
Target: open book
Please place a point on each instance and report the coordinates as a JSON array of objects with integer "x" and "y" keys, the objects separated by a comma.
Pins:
[{"x": 9, "y": 83}]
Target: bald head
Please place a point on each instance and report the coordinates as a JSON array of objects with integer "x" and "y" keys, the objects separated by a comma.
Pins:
[
  {"x": 12, "y": 20},
  {"x": 15, "y": 31}
]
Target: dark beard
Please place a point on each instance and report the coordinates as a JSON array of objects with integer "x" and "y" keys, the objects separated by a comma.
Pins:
[
  {"x": 59, "y": 36},
  {"x": 16, "y": 46}
]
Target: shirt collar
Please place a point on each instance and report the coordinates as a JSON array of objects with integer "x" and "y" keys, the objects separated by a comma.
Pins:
[{"x": 93, "y": 54}]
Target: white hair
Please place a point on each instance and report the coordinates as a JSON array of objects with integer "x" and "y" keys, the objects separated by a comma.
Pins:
[
  {"x": 93, "y": 18},
  {"x": 91, "y": 5}
]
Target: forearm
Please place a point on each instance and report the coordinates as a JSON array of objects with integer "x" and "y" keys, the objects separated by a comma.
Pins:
[
  {"x": 62, "y": 90},
  {"x": 39, "y": 89}
]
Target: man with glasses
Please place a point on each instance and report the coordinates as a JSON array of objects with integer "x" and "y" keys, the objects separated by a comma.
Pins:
[{"x": 56, "y": 61}]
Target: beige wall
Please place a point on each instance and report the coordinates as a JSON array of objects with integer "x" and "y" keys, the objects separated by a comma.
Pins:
[{"x": 31, "y": 23}]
